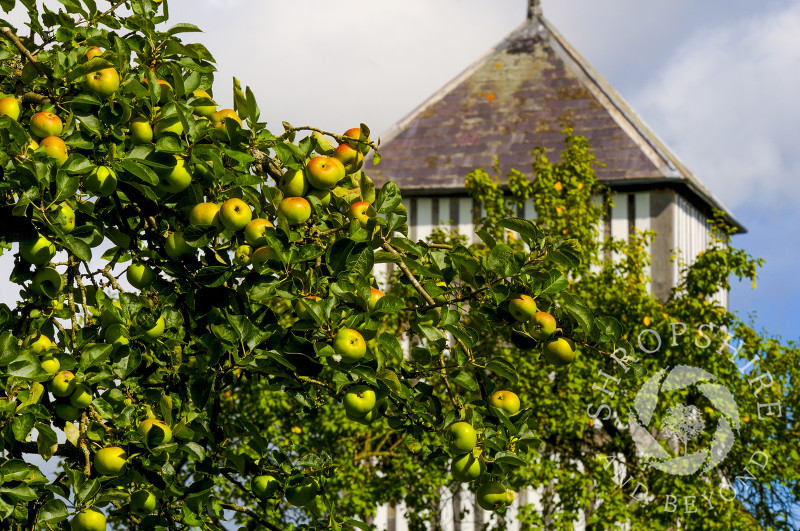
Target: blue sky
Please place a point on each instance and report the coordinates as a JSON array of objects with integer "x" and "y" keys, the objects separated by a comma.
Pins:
[{"x": 717, "y": 80}]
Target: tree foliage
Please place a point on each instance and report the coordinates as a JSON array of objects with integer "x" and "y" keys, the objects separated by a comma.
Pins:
[{"x": 216, "y": 384}]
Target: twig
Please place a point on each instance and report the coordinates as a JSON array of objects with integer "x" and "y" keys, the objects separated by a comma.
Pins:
[
  {"x": 33, "y": 97},
  {"x": 8, "y": 32},
  {"x": 251, "y": 514},
  {"x": 111, "y": 10},
  {"x": 87, "y": 468}
]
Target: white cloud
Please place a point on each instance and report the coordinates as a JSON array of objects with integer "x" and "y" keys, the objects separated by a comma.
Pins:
[{"x": 727, "y": 104}]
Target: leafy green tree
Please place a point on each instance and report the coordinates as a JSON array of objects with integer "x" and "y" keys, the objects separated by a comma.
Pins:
[{"x": 247, "y": 365}]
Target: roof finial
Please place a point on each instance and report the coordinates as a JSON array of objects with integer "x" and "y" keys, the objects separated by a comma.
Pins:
[{"x": 534, "y": 9}]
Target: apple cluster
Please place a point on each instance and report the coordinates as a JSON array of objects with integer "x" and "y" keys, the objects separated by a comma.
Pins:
[{"x": 541, "y": 326}]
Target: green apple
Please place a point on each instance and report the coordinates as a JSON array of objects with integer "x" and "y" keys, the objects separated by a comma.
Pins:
[
  {"x": 243, "y": 255},
  {"x": 255, "y": 232},
  {"x": 117, "y": 335},
  {"x": 93, "y": 52},
  {"x": 218, "y": 121},
  {"x": 63, "y": 384},
  {"x": 48, "y": 282},
  {"x": 359, "y": 400},
  {"x": 155, "y": 432},
  {"x": 350, "y": 345},
  {"x": 88, "y": 520},
  {"x": 466, "y": 467},
  {"x": 355, "y": 134},
  {"x": 110, "y": 461},
  {"x": 323, "y": 145},
  {"x": 301, "y": 312},
  {"x": 102, "y": 181},
  {"x": 55, "y": 148},
  {"x": 505, "y": 400},
  {"x": 66, "y": 412},
  {"x": 361, "y": 211},
  {"x": 293, "y": 183},
  {"x": 324, "y": 196},
  {"x": 371, "y": 416},
  {"x": 302, "y": 493},
  {"x": 491, "y": 495},
  {"x": 9, "y": 106},
  {"x": 104, "y": 82},
  {"x": 38, "y": 251},
  {"x": 262, "y": 255},
  {"x": 324, "y": 172},
  {"x": 176, "y": 179},
  {"x": 462, "y": 437},
  {"x": 81, "y": 397},
  {"x": 142, "y": 503},
  {"x": 265, "y": 486},
  {"x": 235, "y": 214},
  {"x": 152, "y": 334},
  {"x": 205, "y": 214},
  {"x": 50, "y": 364},
  {"x": 170, "y": 125},
  {"x": 176, "y": 247},
  {"x": 296, "y": 210},
  {"x": 65, "y": 217},
  {"x": 140, "y": 130},
  {"x": 541, "y": 326},
  {"x": 41, "y": 344},
  {"x": 44, "y": 124},
  {"x": 559, "y": 351},
  {"x": 203, "y": 110},
  {"x": 140, "y": 275},
  {"x": 351, "y": 158},
  {"x": 522, "y": 308},
  {"x": 374, "y": 296}
]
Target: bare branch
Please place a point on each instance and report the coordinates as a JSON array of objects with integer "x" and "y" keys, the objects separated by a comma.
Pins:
[{"x": 8, "y": 32}]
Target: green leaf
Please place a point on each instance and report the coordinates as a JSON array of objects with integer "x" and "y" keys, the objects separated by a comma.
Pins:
[
  {"x": 79, "y": 248},
  {"x": 504, "y": 368},
  {"x": 465, "y": 380},
  {"x": 502, "y": 260},
  {"x": 93, "y": 355},
  {"x": 509, "y": 458},
  {"x": 389, "y": 304},
  {"x": 388, "y": 198},
  {"x": 93, "y": 65},
  {"x": 200, "y": 235},
  {"x": 610, "y": 327},
  {"x": 52, "y": 512},
  {"x": 575, "y": 307},
  {"x": 389, "y": 379},
  {"x": 556, "y": 282},
  {"x": 66, "y": 186},
  {"x": 522, "y": 226},
  {"x": 183, "y": 28},
  {"x": 20, "y": 492},
  {"x": 392, "y": 345}
]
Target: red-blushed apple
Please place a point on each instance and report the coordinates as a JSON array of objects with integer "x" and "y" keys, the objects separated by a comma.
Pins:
[
  {"x": 203, "y": 110},
  {"x": 48, "y": 282},
  {"x": 350, "y": 345},
  {"x": 351, "y": 159},
  {"x": 101, "y": 181},
  {"x": 140, "y": 130},
  {"x": 462, "y": 437},
  {"x": 355, "y": 134},
  {"x": 505, "y": 400},
  {"x": 491, "y": 496},
  {"x": 541, "y": 326},
  {"x": 110, "y": 461},
  {"x": 63, "y": 384},
  {"x": 55, "y": 148},
  {"x": 38, "y": 251},
  {"x": 93, "y": 51},
  {"x": 359, "y": 400},
  {"x": 293, "y": 183},
  {"x": 324, "y": 196},
  {"x": 324, "y": 172},
  {"x": 303, "y": 492},
  {"x": 374, "y": 296},
  {"x": 140, "y": 275},
  {"x": 466, "y": 467},
  {"x": 205, "y": 214},
  {"x": 177, "y": 179},
  {"x": 522, "y": 308},
  {"x": 88, "y": 520},
  {"x": 81, "y": 397},
  {"x": 361, "y": 211},
  {"x": 45, "y": 123},
  {"x": 559, "y": 351},
  {"x": 262, "y": 255},
  {"x": 296, "y": 210},
  {"x": 176, "y": 246},
  {"x": 104, "y": 82},
  {"x": 235, "y": 214},
  {"x": 9, "y": 106},
  {"x": 142, "y": 503},
  {"x": 255, "y": 232},
  {"x": 155, "y": 432}
]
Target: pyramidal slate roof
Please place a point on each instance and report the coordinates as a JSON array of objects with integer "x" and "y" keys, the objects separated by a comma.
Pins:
[{"x": 515, "y": 98}]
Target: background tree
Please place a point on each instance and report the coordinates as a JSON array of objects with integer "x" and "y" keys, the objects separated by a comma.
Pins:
[{"x": 250, "y": 257}]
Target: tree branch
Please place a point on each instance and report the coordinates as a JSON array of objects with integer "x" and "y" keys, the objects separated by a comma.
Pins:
[
  {"x": 251, "y": 514},
  {"x": 8, "y": 32}
]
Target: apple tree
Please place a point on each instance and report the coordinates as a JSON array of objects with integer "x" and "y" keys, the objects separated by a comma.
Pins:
[{"x": 248, "y": 259}]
